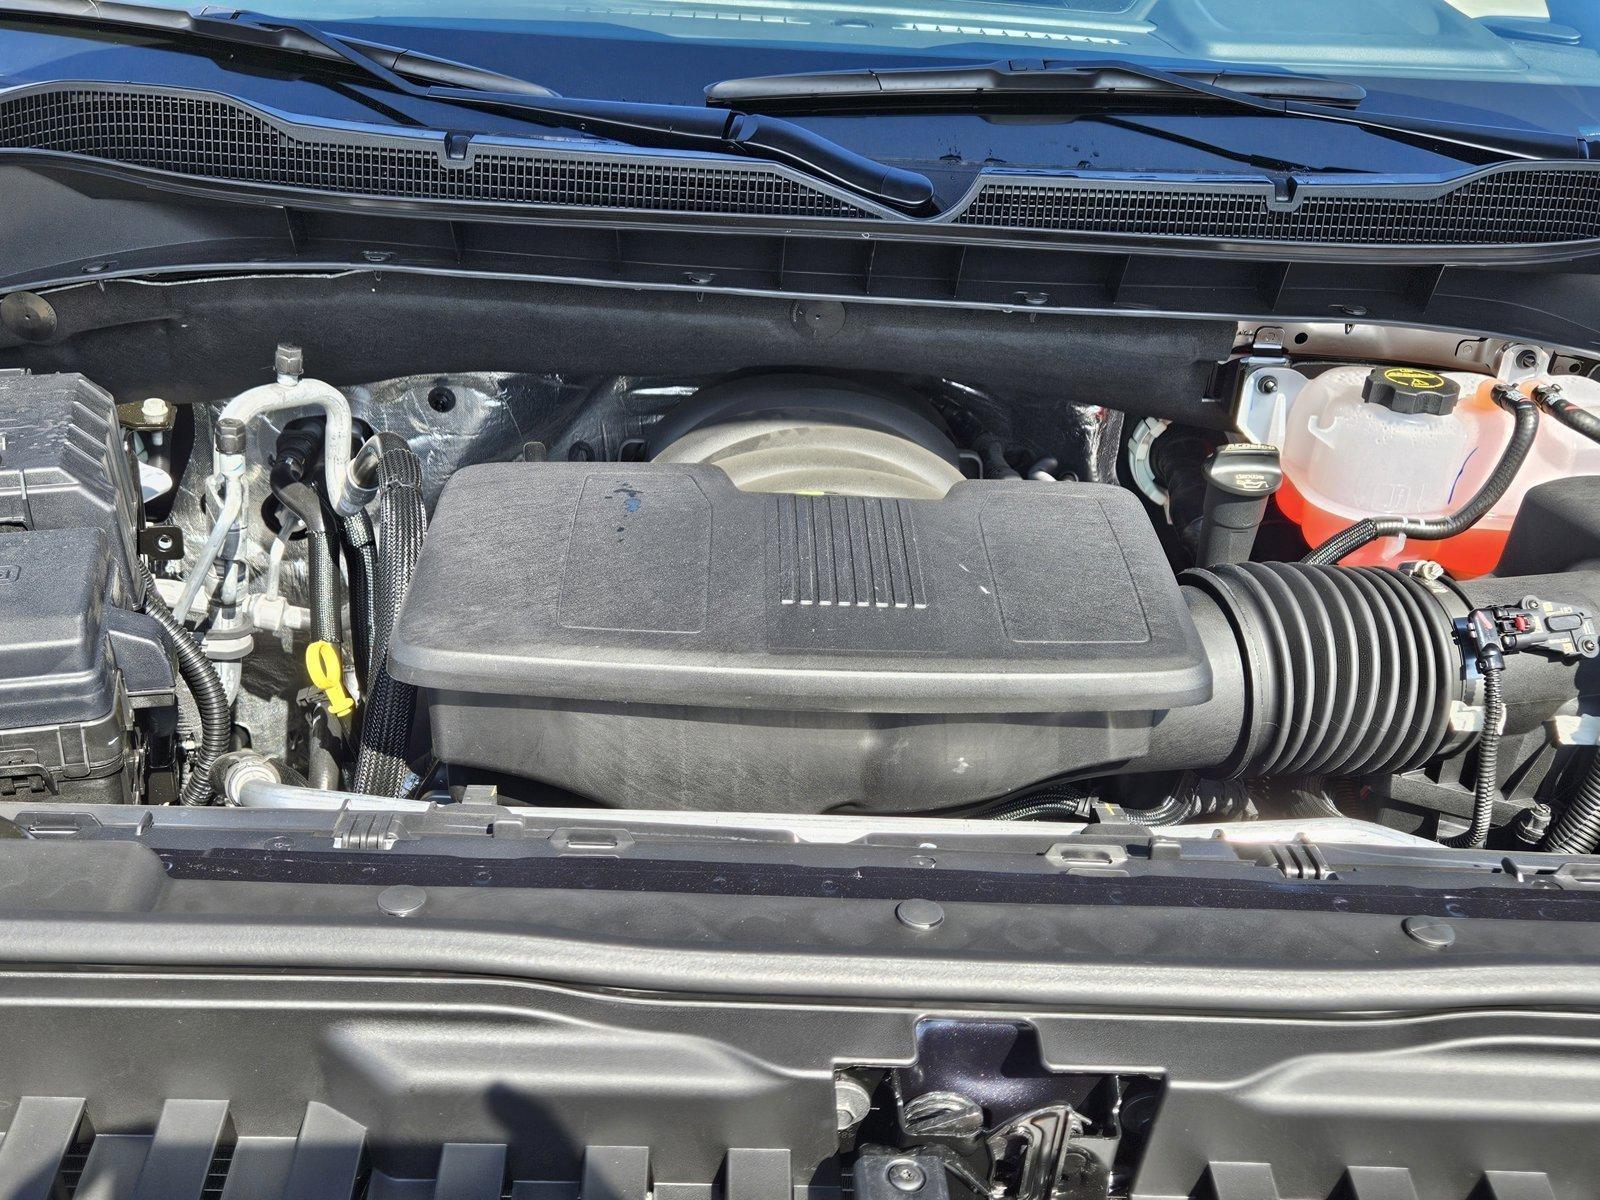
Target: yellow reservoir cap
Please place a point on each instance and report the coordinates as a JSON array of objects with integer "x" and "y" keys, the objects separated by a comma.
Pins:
[{"x": 327, "y": 674}]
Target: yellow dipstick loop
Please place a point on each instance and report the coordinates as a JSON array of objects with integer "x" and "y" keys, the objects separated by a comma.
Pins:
[{"x": 327, "y": 673}]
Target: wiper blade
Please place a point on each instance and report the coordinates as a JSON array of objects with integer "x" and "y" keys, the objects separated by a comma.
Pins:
[
  {"x": 661, "y": 126},
  {"x": 215, "y": 27},
  {"x": 1099, "y": 85},
  {"x": 1029, "y": 78}
]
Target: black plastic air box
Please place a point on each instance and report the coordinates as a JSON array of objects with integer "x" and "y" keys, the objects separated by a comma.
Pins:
[
  {"x": 650, "y": 636},
  {"x": 63, "y": 466},
  {"x": 76, "y": 662},
  {"x": 73, "y": 669}
]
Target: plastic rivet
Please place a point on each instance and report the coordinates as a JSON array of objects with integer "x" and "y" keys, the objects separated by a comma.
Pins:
[
  {"x": 401, "y": 900},
  {"x": 1430, "y": 932},
  {"x": 919, "y": 914}
]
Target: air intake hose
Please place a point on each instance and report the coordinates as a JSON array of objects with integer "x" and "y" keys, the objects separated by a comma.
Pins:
[{"x": 1346, "y": 670}]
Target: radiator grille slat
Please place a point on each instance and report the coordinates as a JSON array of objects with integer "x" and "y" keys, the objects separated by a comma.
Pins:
[
  {"x": 35, "y": 1147},
  {"x": 183, "y": 1156},
  {"x": 61, "y": 1157}
]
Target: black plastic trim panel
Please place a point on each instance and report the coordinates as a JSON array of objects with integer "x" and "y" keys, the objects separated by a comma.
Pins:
[
  {"x": 206, "y": 137},
  {"x": 287, "y": 1086},
  {"x": 681, "y": 911}
]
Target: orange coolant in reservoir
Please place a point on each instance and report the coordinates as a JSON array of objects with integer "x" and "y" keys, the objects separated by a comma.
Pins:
[{"x": 1365, "y": 441}]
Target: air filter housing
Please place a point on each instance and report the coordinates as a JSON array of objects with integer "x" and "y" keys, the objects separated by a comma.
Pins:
[{"x": 649, "y": 635}]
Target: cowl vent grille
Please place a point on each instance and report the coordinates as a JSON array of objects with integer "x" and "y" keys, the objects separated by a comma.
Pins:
[
  {"x": 204, "y": 135},
  {"x": 1511, "y": 206},
  {"x": 211, "y": 137}
]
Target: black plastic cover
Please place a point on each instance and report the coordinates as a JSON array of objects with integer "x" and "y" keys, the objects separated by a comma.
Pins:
[
  {"x": 73, "y": 668},
  {"x": 1556, "y": 529},
  {"x": 662, "y": 583},
  {"x": 62, "y": 466}
]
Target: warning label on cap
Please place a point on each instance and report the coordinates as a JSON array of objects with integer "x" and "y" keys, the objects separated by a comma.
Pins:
[{"x": 1414, "y": 378}]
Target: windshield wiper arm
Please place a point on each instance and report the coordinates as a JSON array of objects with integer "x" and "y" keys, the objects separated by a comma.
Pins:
[
  {"x": 1101, "y": 84},
  {"x": 662, "y": 126},
  {"x": 1025, "y": 78},
  {"x": 411, "y": 63}
]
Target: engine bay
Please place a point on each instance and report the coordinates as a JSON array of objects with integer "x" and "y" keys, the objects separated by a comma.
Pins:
[{"x": 1331, "y": 573}]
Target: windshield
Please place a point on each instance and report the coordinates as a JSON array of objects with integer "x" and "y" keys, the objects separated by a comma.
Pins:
[{"x": 1537, "y": 41}]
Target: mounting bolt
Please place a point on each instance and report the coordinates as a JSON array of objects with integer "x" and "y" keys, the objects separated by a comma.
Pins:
[
  {"x": 1527, "y": 359},
  {"x": 155, "y": 410},
  {"x": 851, "y": 1103},
  {"x": 1266, "y": 384},
  {"x": 905, "y": 1175}
]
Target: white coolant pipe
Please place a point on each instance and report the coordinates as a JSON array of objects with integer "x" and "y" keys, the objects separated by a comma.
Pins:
[{"x": 290, "y": 393}]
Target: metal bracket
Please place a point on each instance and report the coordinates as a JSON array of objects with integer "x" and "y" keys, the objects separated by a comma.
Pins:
[
  {"x": 162, "y": 543},
  {"x": 1268, "y": 385},
  {"x": 1038, "y": 1147}
]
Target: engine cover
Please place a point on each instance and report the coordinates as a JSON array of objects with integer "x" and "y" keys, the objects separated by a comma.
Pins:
[{"x": 649, "y": 635}]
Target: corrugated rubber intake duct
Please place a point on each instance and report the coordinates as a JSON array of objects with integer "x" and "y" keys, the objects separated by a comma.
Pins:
[{"x": 1347, "y": 671}]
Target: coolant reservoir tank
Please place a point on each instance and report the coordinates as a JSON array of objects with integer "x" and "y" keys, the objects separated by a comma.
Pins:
[{"x": 1364, "y": 441}]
